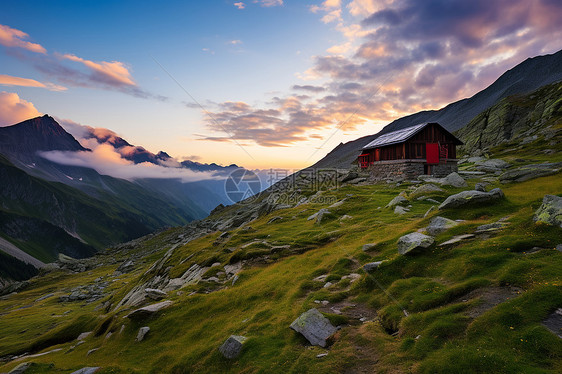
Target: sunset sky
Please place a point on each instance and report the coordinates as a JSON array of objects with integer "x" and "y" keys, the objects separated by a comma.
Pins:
[{"x": 259, "y": 83}]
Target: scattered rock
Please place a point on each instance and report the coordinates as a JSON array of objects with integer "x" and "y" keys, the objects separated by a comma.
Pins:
[
  {"x": 149, "y": 310},
  {"x": 398, "y": 200},
  {"x": 337, "y": 204},
  {"x": 550, "y": 212},
  {"x": 456, "y": 239},
  {"x": 328, "y": 285},
  {"x": 400, "y": 210},
  {"x": 492, "y": 165},
  {"x": 91, "y": 351},
  {"x": 424, "y": 189},
  {"x": 232, "y": 347},
  {"x": 84, "y": 335},
  {"x": 490, "y": 227},
  {"x": 480, "y": 187},
  {"x": 345, "y": 217},
  {"x": 413, "y": 241},
  {"x": 369, "y": 246},
  {"x": 321, "y": 355},
  {"x": 314, "y": 327},
  {"x": 554, "y": 322},
  {"x": 471, "y": 197},
  {"x": 142, "y": 333},
  {"x": 126, "y": 267},
  {"x": 155, "y": 294},
  {"x": 87, "y": 370},
  {"x": 45, "y": 297},
  {"x": 319, "y": 215},
  {"x": 274, "y": 219},
  {"x": 439, "y": 224},
  {"x": 453, "y": 179},
  {"x": 369, "y": 267},
  {"x": 22, "y": 368}
]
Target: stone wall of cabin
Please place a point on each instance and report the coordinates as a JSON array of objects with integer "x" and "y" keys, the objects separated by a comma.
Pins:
[{"x": 398, "y": 170}]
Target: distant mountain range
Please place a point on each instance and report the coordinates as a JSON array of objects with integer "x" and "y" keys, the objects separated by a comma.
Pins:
[
  {"x": 527, "y": 76},
  {"x": 47, "y": 208}
]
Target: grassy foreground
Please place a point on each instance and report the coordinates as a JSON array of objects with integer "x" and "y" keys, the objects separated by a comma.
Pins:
[{"x": 475, "y": 306}]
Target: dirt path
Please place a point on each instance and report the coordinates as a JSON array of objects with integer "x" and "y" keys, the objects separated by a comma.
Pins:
[{"x": 14, "y": 251}]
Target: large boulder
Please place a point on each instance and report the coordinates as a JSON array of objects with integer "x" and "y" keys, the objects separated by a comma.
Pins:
[
  {"x": 453, "y": 179},
  {"x": 232, "y": 347},
  {"x": 527, "y": 172},
  {"x": 314, "y": 327},
  {"x": 149, "y": 310},
  {"x": 438, "y": 224},
  {"x": 550, "y": 212},
  {"x": 413, "y": 241},
  {"x": 492, "y": 165},
  {"x": 471, "y": 197}
]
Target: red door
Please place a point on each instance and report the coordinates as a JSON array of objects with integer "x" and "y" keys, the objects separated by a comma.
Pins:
[
  {"x": 377, "y": 154},
  {"x": 432, "y": 153}
]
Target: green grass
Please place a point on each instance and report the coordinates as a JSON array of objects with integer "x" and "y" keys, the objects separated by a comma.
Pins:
[{"x": 433, "y": 286}]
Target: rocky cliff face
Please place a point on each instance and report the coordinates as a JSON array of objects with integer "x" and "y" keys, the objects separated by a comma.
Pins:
[{"x": 524, "y": 118}]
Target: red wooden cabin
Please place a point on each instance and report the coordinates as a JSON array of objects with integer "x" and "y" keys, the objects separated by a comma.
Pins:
[{"x": 427, "y": 141}]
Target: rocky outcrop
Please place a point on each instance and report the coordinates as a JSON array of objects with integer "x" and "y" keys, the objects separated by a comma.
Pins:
[
  {"x": 471, "y": 197},
  {"x": 532, "y": 171},
  {"x": 414, "y": 241},
  {"x": 316, "y": 328},
  {"x": 149, "y": 310},
  {"x": 550, "y": 211}
]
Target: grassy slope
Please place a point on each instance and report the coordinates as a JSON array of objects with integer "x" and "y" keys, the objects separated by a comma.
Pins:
[{"x": 271, "y": 293}]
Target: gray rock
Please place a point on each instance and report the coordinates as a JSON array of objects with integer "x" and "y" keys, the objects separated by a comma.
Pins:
[
  {"x": 413, "y": 241},
  {"x": 22, "y": 368},
  {"x": 559, "y": 247},
  {"x": 438, "y": 224},
  {"x": 337, "y": 204},
  {"x": 86, "y": 370},
  {"x": 550, "y": 212},
  {"x": 314, "y": 327},
  {"x": 155, "y": 294},
  {"x": 232, "y": 347},
  {"x": 369, "y": 267},
  {"x": 527, "y": 172},
  {"x": 453, "y": 179},
  {"x": 476, "y": 159},
  {"x": 492, "y": 165},
  {"x": 398, "y": 200},
  {"x": 319, "y": 215},
  {"x": 471, "y": 197},
  {"x": 142, "y": 333},
  {"x": 480, "y": 187},
  {"x": 400, "y": 210},
  {"x": 91, "y": 351},
  {"x": 425, "y": 189},
  {"x": 45, "y": 297},
  {"x": 490, "y": 227},
  {"x": 149, "y": 310},
  {"x": 456, "y": 239},
  {"x": 554, "y": 322},
  {"x": 369, "y": 246},
  {"x": 275, "y": 219},
  {"x": 84, "y": 335}
]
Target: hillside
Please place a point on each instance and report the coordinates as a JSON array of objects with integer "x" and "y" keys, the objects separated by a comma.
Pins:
[
  {"x": 524, "y": 78},
  {"x": 480, "y": 295}
]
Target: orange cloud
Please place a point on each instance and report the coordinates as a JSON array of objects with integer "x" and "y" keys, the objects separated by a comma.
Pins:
[
  {"x": 114, "y": 72},
  {"x": 8, "y": 80},
  {"x": 13, "y": 109},
  {"x": 10, "y": 37}
]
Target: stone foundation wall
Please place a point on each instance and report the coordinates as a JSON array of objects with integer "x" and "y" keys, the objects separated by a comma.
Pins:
[{"x": 398, "y": 170}]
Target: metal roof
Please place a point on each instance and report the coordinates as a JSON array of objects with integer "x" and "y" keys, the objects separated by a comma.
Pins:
[{"x": 397, "y": 136}]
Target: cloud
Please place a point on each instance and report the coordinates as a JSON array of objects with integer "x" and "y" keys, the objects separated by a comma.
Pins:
[
  {"x": 406, "y": 56},
  {"x": 309, "y": 88},
  {"x": 105, "y": 160},
  {"x": 269, "y": 3},
  {"x": 240, "y": 5},
  {"x": 8, "y": 80},
  {"x": 13, "y": 109},
  {"x": 113, "y": 73},
  {"x": 235, "y": 42},
  {"x": 14, "y": 38}
]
